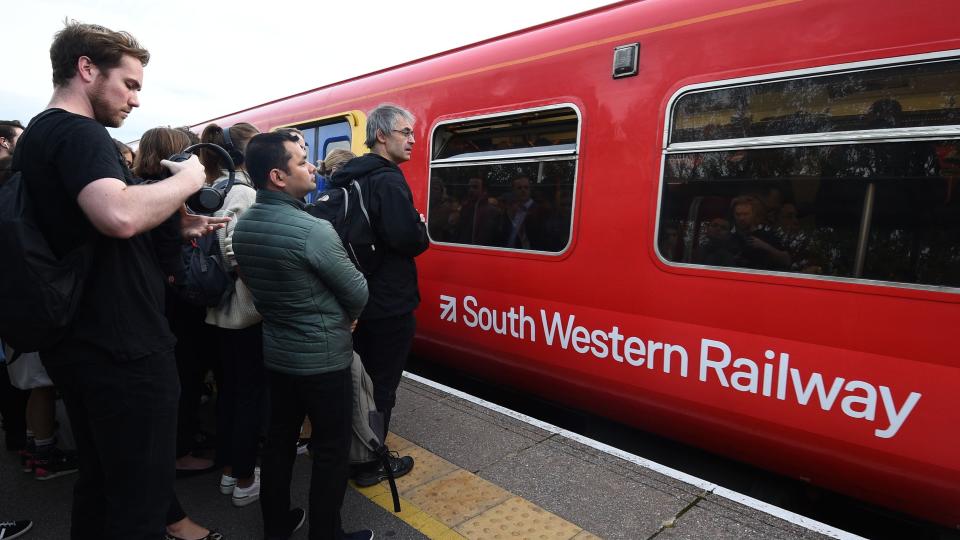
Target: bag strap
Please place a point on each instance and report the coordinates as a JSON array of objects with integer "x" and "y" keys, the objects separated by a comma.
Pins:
[
  {"x": 14, "y": 165},
  {"x": 363, "y": 207},
  {"x": 88, "y": 248},
  {"x": 384, "y": 455}
]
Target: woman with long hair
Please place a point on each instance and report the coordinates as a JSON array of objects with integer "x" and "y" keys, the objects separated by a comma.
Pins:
[{"x": 241, "y": 390}]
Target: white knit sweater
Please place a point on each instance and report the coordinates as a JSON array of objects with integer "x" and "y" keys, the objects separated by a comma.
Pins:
[{"x": 236, "y": 311}]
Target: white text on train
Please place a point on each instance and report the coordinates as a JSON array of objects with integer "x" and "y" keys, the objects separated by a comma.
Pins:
[{"x": 772, "y": 378}]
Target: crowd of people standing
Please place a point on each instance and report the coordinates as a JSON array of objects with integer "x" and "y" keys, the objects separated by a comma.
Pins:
[{"x": 132, "y": 367}]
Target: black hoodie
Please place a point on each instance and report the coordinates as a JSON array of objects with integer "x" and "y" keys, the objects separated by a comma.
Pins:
[{"x": 401, "y": 234}]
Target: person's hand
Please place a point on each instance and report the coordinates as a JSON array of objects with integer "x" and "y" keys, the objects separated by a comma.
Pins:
[
  {"x": 353, "y": 325},
  {"x": 191, "y": 167},
  {"x": 194, "y": 226}
]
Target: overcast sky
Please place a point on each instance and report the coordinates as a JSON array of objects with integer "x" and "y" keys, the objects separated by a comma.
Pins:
[{"x": 210, "y": 58}]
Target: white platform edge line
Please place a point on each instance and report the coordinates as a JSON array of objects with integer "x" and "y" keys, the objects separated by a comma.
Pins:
[{"x": 705, "y": 485}]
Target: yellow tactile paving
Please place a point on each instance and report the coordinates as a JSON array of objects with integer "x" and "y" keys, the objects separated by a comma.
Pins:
[
  {"x": 518, "y": 518},
  {"x": 457, "y": 497},
  {"x": 409, "y": 513},
  {"x": 427, "y": 467},
  {"x": 445, "y": 502},
  {"x": 397, "y": 443}
]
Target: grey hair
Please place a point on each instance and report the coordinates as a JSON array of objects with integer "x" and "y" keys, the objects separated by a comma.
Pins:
[{"x": 382, "y": 119}]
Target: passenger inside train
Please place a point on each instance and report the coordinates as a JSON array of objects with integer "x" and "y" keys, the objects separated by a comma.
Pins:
[{"x": 881, "y": 210}]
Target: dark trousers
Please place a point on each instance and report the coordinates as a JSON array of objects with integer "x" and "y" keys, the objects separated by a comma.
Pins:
[
  {"x": 240, "y": 399},
  {"x": 13, "y": 409},
  {"x": 383, "y": 346},
  {"x": 196, "y": 351},
  {"x": 328, "y": 400},
  {"x": 124, "y": 418}
]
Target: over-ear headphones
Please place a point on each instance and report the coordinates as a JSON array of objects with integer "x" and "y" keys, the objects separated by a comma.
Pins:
[
  {"x": 235, "y": 154},
  {"x": 209, "y": 199}
]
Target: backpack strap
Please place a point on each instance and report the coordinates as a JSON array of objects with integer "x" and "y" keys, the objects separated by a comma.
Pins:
[
  {"x": 384, "y": 455},
  {"x": 363, "y": 207},
  {"x": 15, "y": 164}
]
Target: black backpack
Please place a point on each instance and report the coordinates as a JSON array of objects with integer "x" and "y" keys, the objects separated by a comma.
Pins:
[
  {"x": 346, "y": 210},
  {"x": 203, "y": 279},
  {"x": 39, "y": 292}
]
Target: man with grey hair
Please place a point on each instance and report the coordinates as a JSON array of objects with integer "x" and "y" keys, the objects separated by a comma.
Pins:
[{"x": 385, "y": 331}]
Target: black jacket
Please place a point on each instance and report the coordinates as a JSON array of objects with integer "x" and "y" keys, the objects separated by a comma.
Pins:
[{"x": 401, "y": 234}]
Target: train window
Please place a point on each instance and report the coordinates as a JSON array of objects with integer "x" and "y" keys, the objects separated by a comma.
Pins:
[
  {"x": 505, "y": 181},
  {"x": 911, "y": 96},
  {"x": 310, "y": 136},
  {"x": 882, "y": 206},
  {"x": 321, "y": 139}
]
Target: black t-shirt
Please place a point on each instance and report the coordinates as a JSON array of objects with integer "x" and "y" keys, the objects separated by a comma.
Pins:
[{"x": 121, "y": 310}]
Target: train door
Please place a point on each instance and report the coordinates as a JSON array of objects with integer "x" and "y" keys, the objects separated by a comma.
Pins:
[{"x": 345, "y": 131}]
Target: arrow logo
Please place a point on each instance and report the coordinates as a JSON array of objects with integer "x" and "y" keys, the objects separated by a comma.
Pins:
[{"x": 448, "y": 308}]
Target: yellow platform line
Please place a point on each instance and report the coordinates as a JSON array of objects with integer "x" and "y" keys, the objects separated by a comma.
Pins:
[{"x": 444, "y": 501}]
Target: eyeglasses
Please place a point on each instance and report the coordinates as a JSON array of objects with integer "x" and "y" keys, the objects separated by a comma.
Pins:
[{"x": 406, "y": 132}]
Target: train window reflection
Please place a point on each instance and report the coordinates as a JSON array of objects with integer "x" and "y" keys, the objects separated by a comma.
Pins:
[
  {"x": 551, "y": 130},
  {"x": 865, "y": 204},
  {"x": 885, "y": 211},
  {"x": 505, "y": 182},
  {"x": 521, "y": 206},
  {"x": 911, "y": 96}
]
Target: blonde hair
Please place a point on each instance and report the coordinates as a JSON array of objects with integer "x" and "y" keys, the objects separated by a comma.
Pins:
[{"x": 335, "y": 160}]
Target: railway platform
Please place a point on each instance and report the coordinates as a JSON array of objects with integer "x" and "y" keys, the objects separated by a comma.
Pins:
[{"x": 482, "y": 472}]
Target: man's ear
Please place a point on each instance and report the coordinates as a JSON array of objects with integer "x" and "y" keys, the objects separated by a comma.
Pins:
[
  {"x": 87, "y": 70},
  {"x": 381, "y": 137},
  {"x": 276, "y": 179}
]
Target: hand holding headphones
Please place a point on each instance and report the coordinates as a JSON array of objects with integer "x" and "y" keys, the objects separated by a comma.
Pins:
[{"x": 210, "y": 198}]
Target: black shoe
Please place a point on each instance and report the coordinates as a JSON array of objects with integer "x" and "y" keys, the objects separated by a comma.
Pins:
[
  {"x": 365, "y": 534},
  {"x": 54, "y": 463},
  {"x": 12, "y": 529},
  {"x": 398, "y": 465}
]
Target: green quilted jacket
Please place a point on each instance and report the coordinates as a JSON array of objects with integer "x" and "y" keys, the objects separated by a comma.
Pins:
[{"x": 303, "y": 285}]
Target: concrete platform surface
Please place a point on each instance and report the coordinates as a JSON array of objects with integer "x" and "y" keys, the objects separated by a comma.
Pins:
[{"x": 481, "y": 473}]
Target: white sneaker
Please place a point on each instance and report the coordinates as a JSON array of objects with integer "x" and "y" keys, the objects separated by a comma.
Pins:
[
  {"x": 244, "y": 496},
  {"x": 227, "y": 483}
]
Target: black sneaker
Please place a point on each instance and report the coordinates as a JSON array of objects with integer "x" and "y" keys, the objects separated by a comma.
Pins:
[
  {"x": 54, "y": 462},
  {"x": 398, "y": 465},
  {"x": 12, "y": 529},
  {"x": 365, "y": 534}
]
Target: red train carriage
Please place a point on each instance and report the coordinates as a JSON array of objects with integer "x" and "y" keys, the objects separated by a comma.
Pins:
[{"x": 736, "y": 223}]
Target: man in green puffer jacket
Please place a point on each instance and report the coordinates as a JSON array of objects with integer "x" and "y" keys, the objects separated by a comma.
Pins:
[{"x": 310, "y": 295}]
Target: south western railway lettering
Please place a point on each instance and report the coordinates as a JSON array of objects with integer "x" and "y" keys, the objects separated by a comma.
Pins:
[{"x": 714, "y": 363}]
